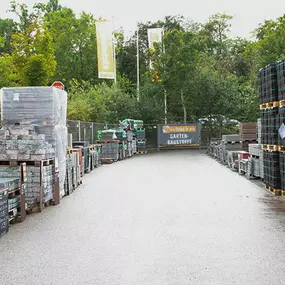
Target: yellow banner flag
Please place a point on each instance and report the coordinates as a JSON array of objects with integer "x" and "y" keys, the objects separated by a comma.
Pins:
[{"x": 105, "y": 51}]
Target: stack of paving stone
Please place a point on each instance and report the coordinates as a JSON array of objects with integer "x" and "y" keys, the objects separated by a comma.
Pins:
[
  {"x": 272, "y": 117},
  {"x": 24, "y": 147},
  {"x": 228, "y": 144},
  {"x": 39, "y": 179},
  {"x": 68, "y": 184},
  {"x": 281, "y": 79},
  {"x": 4, "y": 214},
  {"x": 141, "y": 146},
  {"x": 248, "y": 134},
  {"x": 272, "y": 174},
  {"x": 256, "y": 167},
  {"x": 44, "y": 108},
  {"x": 110, "y": 151}
]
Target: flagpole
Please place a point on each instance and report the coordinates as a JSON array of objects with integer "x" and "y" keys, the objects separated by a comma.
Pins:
[
  {"x": 114, "y": 52},
  {"x": 165, "y": 95},
  {"x": 138, "y": 67}
]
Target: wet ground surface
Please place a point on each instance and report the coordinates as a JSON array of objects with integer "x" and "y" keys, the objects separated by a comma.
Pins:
[{"x": 172, "y": 218}]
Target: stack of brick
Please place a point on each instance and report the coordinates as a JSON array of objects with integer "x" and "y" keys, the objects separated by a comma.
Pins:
[{"x": 248, "y": 135}]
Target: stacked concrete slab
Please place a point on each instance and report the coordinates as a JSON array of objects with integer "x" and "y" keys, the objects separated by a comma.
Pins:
[
  {"x": 248, "y": 134},
  {"x": 43, "y": 108}
]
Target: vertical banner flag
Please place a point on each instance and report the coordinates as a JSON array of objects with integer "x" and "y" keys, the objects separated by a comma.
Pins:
[
  {"x": 105, "y": 51},
  {"x": 154, "y": 36}
]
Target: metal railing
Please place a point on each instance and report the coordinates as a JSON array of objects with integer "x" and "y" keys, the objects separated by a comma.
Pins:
[{"x": 86, "y": 131}]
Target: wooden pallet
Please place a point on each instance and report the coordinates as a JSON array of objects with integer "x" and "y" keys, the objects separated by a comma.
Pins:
[
  {"x": 106, "y": 142},
  {"x": 282, "y": 103},
  {"x": 108, "y": 161},
  {"x": 276, "y": 192},
  {"x": 91, "y": 147},
  {"x": 141, "y": 152},
  {"x": 37, "y": 163},
  {"x": 37, "y": 208},
  {"x": 13, "y": 217},
  {"x": 270, "y": 105},
  {"x": 270, "y": 147},
  {"x": 281, "y": 148}
]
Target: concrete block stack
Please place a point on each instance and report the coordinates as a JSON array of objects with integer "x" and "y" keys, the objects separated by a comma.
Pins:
[
  {"x": 39, "y": 179},
  {"x": 229, "y": 145},
  {"x": 45, "y": 109},
  {"x": 256, "y": 162},
  {"x": 110, "y": 151},
  {"x": 140, "y": 137},
  {"x": 68, "y": 184},
  {"x": 4, "y": 214},
  {"x": 248, "y": 135},
  {"x": 271, "y": 86}
]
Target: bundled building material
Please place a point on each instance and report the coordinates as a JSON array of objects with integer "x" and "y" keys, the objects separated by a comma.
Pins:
[
  {"x": 33, "y": 106},
  {"x": 281, "y": 79},
  {"x": 270, "y": 126},
  {"x": 253, "y": 170},
  {"x": 68, "y": 184},
  {"x": 282, "y": 169},
  {"x": 141, "y": 146},
  {"x": 248, "y": 131},
  {"x": 231, "y": 138},
  {"x": 255, "y": 150},
  {"x": 272, "y": 175},
  {"x": 44, "y": 108},
  {"x": 108, "y": 135},
  {"x": 138, "y": 124},
  {"x": 110, "y": 151},
  {"x": 259, "y": 131},
  {"x": 235, "y": 146},
  {"x": 232, "y": 156},
  {"x": 268, "y": 89},
  {"x": 9, "y": 183},
  {"x": 128, "y": 124},
  {"x": 248, "y": 134},
  {"x": 140, "y": 134},
  {"x": 134, "y": 146},
  {"x": 130, "y": 136},
  {"x": 39, "y": 179},
  {"x": 4, "y": 212}
]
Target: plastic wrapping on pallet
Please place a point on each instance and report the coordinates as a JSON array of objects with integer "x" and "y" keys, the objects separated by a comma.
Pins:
[
  {"x": 40, "y": 113},
  {"x": 33, "y": 105},
  {"x": 110, "y": 151},
  {"x": 141, "y": 146},
  {"x": 138, "y": 124},
  {"x": 140, "y": 134},
  {"x": 61, "y": 146}
]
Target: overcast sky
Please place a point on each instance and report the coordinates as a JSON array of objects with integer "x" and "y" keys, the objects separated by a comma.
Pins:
[{"x": 247, "y": 13}]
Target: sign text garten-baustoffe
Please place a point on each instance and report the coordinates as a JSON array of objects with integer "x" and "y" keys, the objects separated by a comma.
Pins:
[{"x": 184, "y": 135}]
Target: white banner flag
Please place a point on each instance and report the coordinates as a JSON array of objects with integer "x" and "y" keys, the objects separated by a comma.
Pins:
[
  {"x": 105, "y": 51},
  {"x": 154, "y": 36}
]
